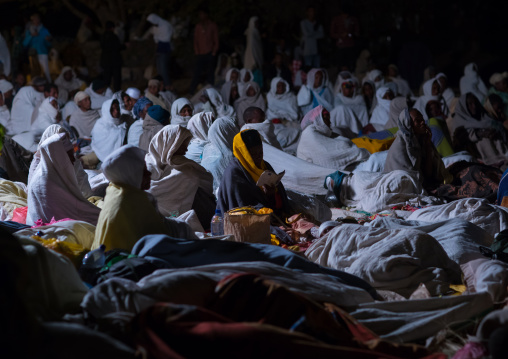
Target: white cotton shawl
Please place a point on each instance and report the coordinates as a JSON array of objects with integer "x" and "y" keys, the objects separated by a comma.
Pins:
[
  {"x": 230, "y": 71},
  {"x": 97, "y": 99},
  {"x": 176, "y": 107},
  {"x": 381, "y": 113},
  {"x": 163, "y": 31},
  {"x": 372, "y": 75},
  {"x": 462, "y": 118},
  {"x": 341, "y": 77},
  {"x": 244, "y": 102},
  {"x": 47, "y": 117},
  {"x": 66, "y": 87},
  {"x": 198, "y": 126},
  {"x": 316, "y": 146},
  {"x": 125, "y": 166},
  {"x": 307, "y": 93},
  {"x": 219, "y": 151},
  {"x": 175, "y": 179},
  {"x": 281, "y": 106},
  {"x": 54, "y": 190},
  {"x": 84, "y": 122},
  {"x": 23, "y": 106},
  {"x": 106, "y": 135},
  {"x": 218, "y": 107},
  {"x": 266, "y": 130},
  {"x": 472, "y": 82},
  {"x": 354, "y": 106},
  {"x": 402, "y": 85},
  {"x": 81, "y": 176},
  {"x": 254, "y": 49}
]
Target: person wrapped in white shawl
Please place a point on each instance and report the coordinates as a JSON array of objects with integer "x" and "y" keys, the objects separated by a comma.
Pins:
[
  {"x": 49, "y": 114},
  {"x": 198, "y": 125},
  {"x": 472, "y": 82},
  {"x": 108, "y": 133},
  {"x": 179, "y": 184},
  {"x": 54, "y": 191},
  {"x": 68, "y": 84},
  {"x": 282, "y": 103},
  {"x": 315, "y": 92},
  {"x": 350, "y": 110},
  {"x": 218, "y": 152},
  {"x": 255, "y": 119},
  {"x": 317, "y": 145},
  {"x": 381, "y": 113},
  {"x": 181, "y": 112},
  {"x": 23, "y": 106},
  {"x": 213, "y": 102},
  {"x": 99, "y": 93},
  {"x": 83, "y": 119},
  {"x": 249, "y": 97}
]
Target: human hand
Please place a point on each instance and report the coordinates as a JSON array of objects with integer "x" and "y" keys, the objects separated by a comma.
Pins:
[{"x": 269, "y": 191}]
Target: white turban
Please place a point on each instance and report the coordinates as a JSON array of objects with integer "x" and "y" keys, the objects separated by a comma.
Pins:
[
  {"x": 133, "y": 93},
  {"x": 81, "y": 95}
]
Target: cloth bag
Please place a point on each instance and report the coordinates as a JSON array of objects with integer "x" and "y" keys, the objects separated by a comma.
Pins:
[{"x": 249, "y": 227}]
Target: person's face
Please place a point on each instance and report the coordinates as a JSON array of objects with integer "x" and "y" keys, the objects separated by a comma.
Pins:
[
  {"x": 147, "y": 179},
  {"x": 256, "y": 153},
  {"x": 36, "y": 20},
  {"x": 234, "y": 93},
  {"x": 186, "y": 111},
  {"x": 326, "y": 117},
  {"x": 40, "y": 89},
  {"x": 246, "y": 78},
  {"x": 281, "y": 88},
  {"x": 251, "y": 92},
  {"x": 115, "y": 110},
  {"x": 388, "y": 95},
  {"x": 143, "y": 112},
  {"x": 348, "y": 89},
  {"x": 183, "y": 148},
  {"x": 472, "y": 105},
  {"x": 435, "y": 109},
  {"x": 443, "y": 82},
  {"x": 7, "y": 94},
  {"x": 435, "y": 88},
  {"x": 257, "y": 117},
  {"x": 153, "y": 89},
  {"x": 53, "y": 92},
  {"x": 234, "y": 76},
  {"x": 277, "y": 60},
  {"x": 318, "y": 79},
  {"x": 67, "y": 75},
  {"x": 392, "y": 72},
  {"x": 502, "y": 85},
  {"x": 418, "y": 123},
  {"x": 54, "y": 103},
  {"x": 378, "y": 78},
  {"x": 20, "y": 80},
  {"x": 70, "y": 153},
  {"x": 311, "y": 13},
  {"x": 368, "y": 90},
  {"x": 498, "y": 107},
  {"x": 128, "y": 103},
  {"x": 85, "y": 104}
]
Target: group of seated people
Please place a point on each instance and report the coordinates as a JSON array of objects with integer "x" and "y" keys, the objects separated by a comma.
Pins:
[{"x": 164, "y": 156}]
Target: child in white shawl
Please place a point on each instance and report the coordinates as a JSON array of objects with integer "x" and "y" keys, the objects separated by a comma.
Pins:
[
  {"x": 109, "y": 131},
  {"x": 54, "y": 191},
  {"x": 250, "y": 97},
  {"x": 179, "y": 184},
  {"x": 48, "y": 115},
  {"x": 317, "y": 145}
]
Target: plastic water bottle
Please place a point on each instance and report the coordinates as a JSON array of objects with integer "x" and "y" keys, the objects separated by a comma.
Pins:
[
  {"x": 217, "y": 225},
  {"x": 95, "y": 259}
]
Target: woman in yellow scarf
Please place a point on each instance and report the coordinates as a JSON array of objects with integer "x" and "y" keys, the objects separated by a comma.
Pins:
[{"x": 238, "y": 186}]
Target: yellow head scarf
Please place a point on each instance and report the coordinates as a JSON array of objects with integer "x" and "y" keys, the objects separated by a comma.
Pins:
[{"x": 242, "y": 153}]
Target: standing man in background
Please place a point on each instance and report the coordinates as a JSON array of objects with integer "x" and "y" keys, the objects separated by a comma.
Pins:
[
  {"x": 38, "y": 39},
  {"x": 111, "y": 57},
  {"x": 206, "y": 45},
  {"x": 311, "y": 32},
  {"x": 162, "y": 32}
]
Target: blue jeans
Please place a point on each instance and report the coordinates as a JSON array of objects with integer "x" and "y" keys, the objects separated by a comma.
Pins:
[{"x": 312, "y": 60}]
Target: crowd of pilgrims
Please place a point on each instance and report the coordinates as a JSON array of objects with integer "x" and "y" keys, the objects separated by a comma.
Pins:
[{"x": 163, "y": 156}]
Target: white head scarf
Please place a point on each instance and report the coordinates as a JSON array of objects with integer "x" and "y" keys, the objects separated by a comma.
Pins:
[
  {"x": 219, "y": 107},
  {"x": 163, "y": 31},
  {"x": 246, "y": 101},
  {"x": 125, "y": 166},
  {"x": 230, "y": 71},
  {"x": 74, "y": 84},
  {"x": 381, "y": 113},
  {"x": 107, "y": 136},
  {"x": 242, "y": 75},
  {"x": 281, "y": 105},
  {"x": 471, "y": 82},
  {"x": 54, "y": 190},
  {"x": 199, "y": 125},
  {"x": 176, "y": 107},
  {"x": 372, "y": 77}
]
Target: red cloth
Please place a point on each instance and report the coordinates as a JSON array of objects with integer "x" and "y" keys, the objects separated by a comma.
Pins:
[{"x": 206, "y": 38}]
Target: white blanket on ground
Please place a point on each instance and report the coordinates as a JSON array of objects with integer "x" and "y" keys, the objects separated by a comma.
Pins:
[
  {"x": 301, "y": 176},
  {"x": 375, "y": 163},
  {"x": 389, "y": 259},
  {"x": 412, "y": 320},
  {"x": 376, "y": 191},
  {"x": 288, "y": 136},
  {"x": 329, "y": 152},
  {"x": 478, "y": 211},
  {"x": 487, "y": 275},
  {"x": 459, "y": 238},
  {"x": 193, "y": 285}
]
